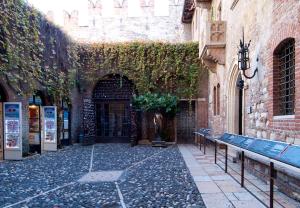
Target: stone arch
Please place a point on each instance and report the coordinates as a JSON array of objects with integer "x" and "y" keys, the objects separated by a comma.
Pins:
[
  {"x": 107, "y": 113},
  {"x": 233, "y": 101}
]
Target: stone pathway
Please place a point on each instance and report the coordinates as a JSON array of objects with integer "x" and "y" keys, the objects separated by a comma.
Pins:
[
  {"x": 103, "y": 175},
  {"x": 220, "y": 190}
]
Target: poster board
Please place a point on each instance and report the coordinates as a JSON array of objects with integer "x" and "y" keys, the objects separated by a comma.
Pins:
[
  {"x": 66, "y": 124},
  {"x": 12, "y": 131},
  {"x": 49, "y": 128}
]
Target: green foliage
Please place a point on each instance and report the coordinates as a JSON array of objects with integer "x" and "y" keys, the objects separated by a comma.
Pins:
[
  {"x": 36, "y": 55},
  {"x": 164, "y": 103},
  {"x": 152, "y": 66}
]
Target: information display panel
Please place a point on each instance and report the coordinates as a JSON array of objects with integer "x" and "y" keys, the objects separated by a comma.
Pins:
[
  {"x": 242, "y": 141},
  {"x": 66, "y": 124},
  {"x": 291, "y": 156},
  {"x": 226, "y": 137},
  {"x": 267, "y": 148},
  {"x": 12, "y": 131},
  {"x": 49, "y": 128}
]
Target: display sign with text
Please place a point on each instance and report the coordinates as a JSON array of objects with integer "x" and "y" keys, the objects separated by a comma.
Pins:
[
  {"x": 50, "y": 126},
  {"x": 12, "y": 125}
]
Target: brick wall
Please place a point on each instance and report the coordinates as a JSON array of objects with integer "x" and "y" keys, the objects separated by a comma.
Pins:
[{"x": 266, "y": 23}]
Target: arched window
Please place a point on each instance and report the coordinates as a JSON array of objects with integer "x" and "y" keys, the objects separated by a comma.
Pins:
[
  {"x": 215, "y": 100},
  {"x": 284, "y": 78},
  {"x": 218, "y": 99}
]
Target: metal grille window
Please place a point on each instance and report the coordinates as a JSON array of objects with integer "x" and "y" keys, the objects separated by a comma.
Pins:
[{"x": 286, "y": 66}]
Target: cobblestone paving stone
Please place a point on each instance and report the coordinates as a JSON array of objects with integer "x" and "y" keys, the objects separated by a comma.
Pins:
[
  {"x": 119, "y": 156},
  {"x": 19, "y": 180},
  {"x": 161, "y": 181},
  {"x": 102, "y": 195},
  {"x": 153, "y": 177}
]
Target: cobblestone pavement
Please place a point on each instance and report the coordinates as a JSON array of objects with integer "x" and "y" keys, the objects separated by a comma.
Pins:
[{"x": 151, "y": 177}]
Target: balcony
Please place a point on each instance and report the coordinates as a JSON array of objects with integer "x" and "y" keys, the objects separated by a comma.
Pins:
[{"x": 212, "y": 44}]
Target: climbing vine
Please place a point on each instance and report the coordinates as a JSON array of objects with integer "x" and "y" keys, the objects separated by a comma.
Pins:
[
  {"x": 34, "y": 54},
  {"x": 37, "y": 55},
  {"x": 152, "y": 66}
]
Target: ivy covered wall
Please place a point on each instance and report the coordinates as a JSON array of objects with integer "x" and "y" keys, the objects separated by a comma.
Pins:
[
  {"x": 152, "y": 66},
  {"x": 36, "y": 55}
]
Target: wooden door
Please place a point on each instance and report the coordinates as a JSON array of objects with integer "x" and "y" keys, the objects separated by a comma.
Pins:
[{"x": 186, "y": 122}]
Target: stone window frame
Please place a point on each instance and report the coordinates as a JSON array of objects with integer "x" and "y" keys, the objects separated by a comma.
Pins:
[{"x": 280, "y": 51}]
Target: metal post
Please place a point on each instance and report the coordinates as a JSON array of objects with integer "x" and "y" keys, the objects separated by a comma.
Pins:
[
  {"x": 216, "y": 148},
  {"x": 272, "y": 176},
  {"x": 200, "y": 141},
  {"x": 226, "y": 158},
  {"x": 242, "y": 169},
  {"x": 204, "y": 144}
]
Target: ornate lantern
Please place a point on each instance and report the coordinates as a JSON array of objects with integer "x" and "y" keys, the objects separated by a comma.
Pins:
[{"x": 244, "y": 60}]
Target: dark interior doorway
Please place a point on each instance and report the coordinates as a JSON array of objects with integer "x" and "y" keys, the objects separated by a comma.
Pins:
[
  {"x": 240, "y": 86},
  {"x": 112, "y": 121},
  {"x": 3, "y": 98},
  {"x": 112, "y": 97},
  {"x": 36, "y": 101}
]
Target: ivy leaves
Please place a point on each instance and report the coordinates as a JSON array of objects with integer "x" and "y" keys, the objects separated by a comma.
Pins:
[
  {"x": 152, "y": 66},
  {"x": 35, "y": 55}
]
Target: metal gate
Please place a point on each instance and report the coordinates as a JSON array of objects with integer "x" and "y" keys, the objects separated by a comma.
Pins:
[
  {"x": 186, "y": 122},
  {"x": 107, "y": 116}
]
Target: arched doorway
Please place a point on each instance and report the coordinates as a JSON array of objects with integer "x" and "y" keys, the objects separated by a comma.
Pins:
[
  {"x": 3, "y": 98},
  {"x": 235, "y": 118},
  {"x": 112, "y": 98}
]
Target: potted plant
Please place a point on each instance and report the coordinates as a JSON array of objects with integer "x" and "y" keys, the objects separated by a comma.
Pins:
[{"x": 162, "y": 105}]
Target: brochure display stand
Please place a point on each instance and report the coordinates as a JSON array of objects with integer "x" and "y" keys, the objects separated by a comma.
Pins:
[
  {"x": 49, "y": 128},
  {"x": 34, "y": 128},
  {"x": 12, "y": 131}
]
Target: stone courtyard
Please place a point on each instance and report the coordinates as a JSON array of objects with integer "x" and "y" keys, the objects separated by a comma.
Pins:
[{"x": 151, "y": 177}]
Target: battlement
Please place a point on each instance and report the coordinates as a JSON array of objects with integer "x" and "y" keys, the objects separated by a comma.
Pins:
[{"x": 124, "y": 20}]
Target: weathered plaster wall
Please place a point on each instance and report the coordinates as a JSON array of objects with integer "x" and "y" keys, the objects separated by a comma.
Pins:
[{"x": 121, "y": 26}]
